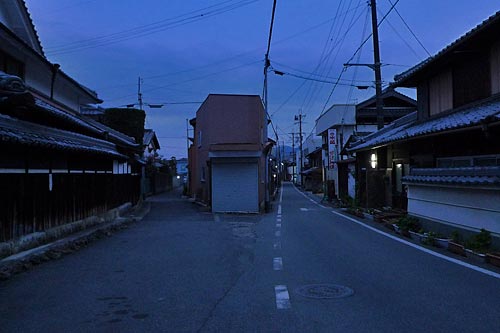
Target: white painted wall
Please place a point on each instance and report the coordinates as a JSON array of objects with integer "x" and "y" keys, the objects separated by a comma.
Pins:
[
  {"x": 469, "y": 207},
  {"x": 351, "y": 181},
  {"x": 336, "y": 115}
]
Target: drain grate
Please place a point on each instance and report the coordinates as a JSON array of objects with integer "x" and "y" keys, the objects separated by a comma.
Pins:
[{"x": 324, "y": 291}]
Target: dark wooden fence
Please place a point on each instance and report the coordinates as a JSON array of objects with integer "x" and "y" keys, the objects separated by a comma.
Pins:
[
  {"x": 158, "y": 182},
  {"x": 27, "y": 205}
]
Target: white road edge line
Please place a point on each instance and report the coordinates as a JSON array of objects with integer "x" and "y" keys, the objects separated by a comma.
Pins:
[
  {"x": 278, "y": 264},
  {"x": 423, "y": 249},
  {"x": 282, "y": 297}
]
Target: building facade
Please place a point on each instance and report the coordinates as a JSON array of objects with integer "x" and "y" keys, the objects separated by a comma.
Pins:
[
  {"x": 57, "y": 167},
  {"x": 442, "y": 162},
  {"x": 229, "y": 157}
]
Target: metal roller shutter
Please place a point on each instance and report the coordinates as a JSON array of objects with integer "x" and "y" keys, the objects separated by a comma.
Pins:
[{"x": 235, "y": 187}]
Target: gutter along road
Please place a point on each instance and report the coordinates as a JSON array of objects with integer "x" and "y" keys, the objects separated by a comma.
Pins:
[{"x": 301, "y": 268}]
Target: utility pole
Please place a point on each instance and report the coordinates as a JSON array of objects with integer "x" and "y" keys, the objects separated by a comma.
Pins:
[
  {"x": 267, "y": 64},
  {"x": 187, "y": 135},
  {"x": 139, "y": 93},
  {"x": 294, "y": 164},
  {"x": 376, "y": 67},
  {"x": 299, "y": 119}
]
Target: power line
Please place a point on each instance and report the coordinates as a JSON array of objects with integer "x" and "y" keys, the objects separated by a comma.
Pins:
[
  {"x": 147, "y": 29},
  {"x": 409, "y": 29},
  {"x": 193, "y": 79},
  {"x": 324, "y": 57},
  {"x": 401, "y": 37},
  {"x": 370, "y": 35},
  {"x": 341, "y": 37},
  {"x": 355, "y": 52},
  {"x": 314, "y": 74},
  {"x": 315, "y": 80},
  {"x": 143, "y": 28}
]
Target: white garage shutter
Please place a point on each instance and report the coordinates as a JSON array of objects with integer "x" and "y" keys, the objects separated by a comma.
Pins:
[{"x": 235, "y": 187}]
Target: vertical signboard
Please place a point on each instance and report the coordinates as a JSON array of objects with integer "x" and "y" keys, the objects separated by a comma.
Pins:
[{"x": 332, "y": 144}]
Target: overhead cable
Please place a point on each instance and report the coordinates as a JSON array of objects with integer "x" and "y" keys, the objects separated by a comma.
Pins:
[
  {"x": 409, "y": 29},
  {"x": 147, "y": 29}
]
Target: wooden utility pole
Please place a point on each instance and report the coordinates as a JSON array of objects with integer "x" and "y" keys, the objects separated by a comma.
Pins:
[
  {"x": 294, "y": 164},
  {"x": 139, "y": 93},
  {"x": 376, "y": 67},
  {"x": 299, "y": 119}
]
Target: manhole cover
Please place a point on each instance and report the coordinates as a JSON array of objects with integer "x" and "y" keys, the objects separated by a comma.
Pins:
[{"x": 323, "y": 291}]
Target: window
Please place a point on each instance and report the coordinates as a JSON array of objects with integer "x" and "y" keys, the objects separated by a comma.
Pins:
[{"x": 199, "y": 138}]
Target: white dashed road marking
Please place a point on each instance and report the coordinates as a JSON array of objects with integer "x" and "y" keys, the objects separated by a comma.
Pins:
[
  {"x": 278, "y": 264},
  {"x": 282, "y": 297}
]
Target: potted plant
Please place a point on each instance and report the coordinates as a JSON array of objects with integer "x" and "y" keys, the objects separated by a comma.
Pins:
[
  {"x": 390, "y": 224},
  {"x": 407, "y": 224},
  {"x": 455, "y": 245},
  {"x": 478, "y": 244}
]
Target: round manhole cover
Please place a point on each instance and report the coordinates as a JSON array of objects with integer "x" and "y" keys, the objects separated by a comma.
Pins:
[{"x": 323, "y": 291}]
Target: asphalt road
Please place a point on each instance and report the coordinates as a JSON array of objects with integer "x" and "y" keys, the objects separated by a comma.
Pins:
[{"x": 183, "y": 269}]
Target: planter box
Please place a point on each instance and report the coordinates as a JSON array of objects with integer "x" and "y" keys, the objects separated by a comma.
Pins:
[
  {"x": 477, "y": 257},
  {"x": 417, "y": 237},
  {"x": 493, "y": 258},
  {"x": 456, "y": 248},
  {"x": 405, "y": 233},
  {"x": 442, "y": 242},
  {"x": 356, "y": 213}
]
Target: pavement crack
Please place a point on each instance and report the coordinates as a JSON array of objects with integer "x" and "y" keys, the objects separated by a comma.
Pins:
[{"x": 219, "y": 300}]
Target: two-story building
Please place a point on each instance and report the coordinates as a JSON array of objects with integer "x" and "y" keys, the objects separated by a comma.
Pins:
[
  {"x": 229, "y": 157},
  {"x": 312, "y": 175},
  {"x": 342, "y": 124},
  {"x": 442, "y": 162},
  {"x": 57, "y": 167}
]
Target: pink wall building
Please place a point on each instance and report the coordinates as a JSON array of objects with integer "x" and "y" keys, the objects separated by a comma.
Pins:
[{"x": 227, "y": 159}]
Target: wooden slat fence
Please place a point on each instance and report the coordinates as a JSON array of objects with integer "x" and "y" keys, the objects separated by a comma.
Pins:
[{"x": 27, "y": 205}]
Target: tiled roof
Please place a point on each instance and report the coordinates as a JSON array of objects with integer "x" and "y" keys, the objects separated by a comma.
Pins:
[
  {"x": 408, "y": 127},
  {"x": 148, "y": 136},
  {"x": 33, "y": 26},
  {"x": 455, "y": 176},
  {"x": 123, "y": 138},
  {"x": 63, "y": 115},
  {"x": 31, "y": 134},
  {"x": 468, "y": 36},
  {"x": 88, "y": 124}
]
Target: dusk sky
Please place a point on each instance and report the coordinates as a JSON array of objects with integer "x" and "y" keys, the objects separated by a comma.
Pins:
[{"x": 184, "y": 50}]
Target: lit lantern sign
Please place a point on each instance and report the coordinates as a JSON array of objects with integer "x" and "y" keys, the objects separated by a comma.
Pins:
[
  {"x": 373, "y": 161},
  {"x": 332, "y": 142}
]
